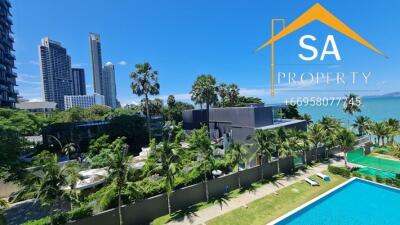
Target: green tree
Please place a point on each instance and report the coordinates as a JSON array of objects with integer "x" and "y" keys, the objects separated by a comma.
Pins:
[
  {"x": 222, "y": 93},
  {"x": 352, "y": 104},
  {"x": 232, "y": 94},
  {"x": 201, "y": 144},
  {"x": 307, "y": 117},
  {"x": 204, "y": 90},
  {"x": 171, "y": 101},
  {"x": 118, "y": 169},
  {"x": 238, "y": 156},
  {"x": 265, "y": 143},
  {"x": 361, "y": 124},
  {"x": 290, "y": 112},
  {"x": 12, "y": 147},
  {"x": 69, "y": 149},
  {"x": 71, "y": 173},
  {"x": 317, "y": 135},
  {"x": 346, "y": 141},
  {"x": 145, "y": 82},
  {"x": 393, "y": 128},
  {"x": 282, "y": 146},
  {"x": 24, "y": 123}
]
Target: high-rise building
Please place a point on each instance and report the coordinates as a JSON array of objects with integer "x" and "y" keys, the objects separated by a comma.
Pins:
[
  {"x": 97, "y": 63},
  {"x": 83, "y": 101},
  {"x": 110, "y": 92},
  {"x": 8, "y": 95},
  {"x": 55, "y": 69},
  {"x": 78, "y": 81}
]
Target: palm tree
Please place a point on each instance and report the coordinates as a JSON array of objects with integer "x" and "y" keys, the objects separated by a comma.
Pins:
[
  {"x": 71, "y": 173},
  {"x": 352, "y": 104},
  {"x": 393, "y": 128},
  {"x": 380, "y": 130},
  {"x": 201, "y": 144},
  {"x": 204, "y": 90},
  {"x": 308, "y": 119},
  {"x": 170, "y": 163},
  {"x": 317, "y": 135},
  {"x": 299, "y": 142},
  {"x": 265, "y": 141},
  {"x": 238, "y": 154},
  {"x": 69, "y": 149},
  {"x": 145, "y": 82},
  {"x": 346, "y": 140},
  {"x": 361, "y": 124},
  {"x": 232, "y": 94},
  {"x": 331, "y": 126},
  {"x": 222, "y": 92},
  {"x": 171, "y": 101},
  {"x": 282, "y": 146},
  {"x": 118, "y": 169}
]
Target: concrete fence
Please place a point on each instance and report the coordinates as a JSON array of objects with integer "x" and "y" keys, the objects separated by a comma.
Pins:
[{"x": 144, "y": 211}]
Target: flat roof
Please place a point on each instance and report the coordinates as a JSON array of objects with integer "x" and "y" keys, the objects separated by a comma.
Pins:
[{"x": 280, "y": 123}]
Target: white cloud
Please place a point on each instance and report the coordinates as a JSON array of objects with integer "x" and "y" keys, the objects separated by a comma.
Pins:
[
  {"x": 36, "y": 99},
  {"x": 77, "y": 65},
  {"x": 28, "y": 79},
  {"x": 122, "y": 63}
]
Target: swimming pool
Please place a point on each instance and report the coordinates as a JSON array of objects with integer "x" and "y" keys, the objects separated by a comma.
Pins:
[{"x": 352, "y": 203}]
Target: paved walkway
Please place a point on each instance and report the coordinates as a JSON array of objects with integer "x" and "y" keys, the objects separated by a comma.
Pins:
[{"x": 203, "y": 215}]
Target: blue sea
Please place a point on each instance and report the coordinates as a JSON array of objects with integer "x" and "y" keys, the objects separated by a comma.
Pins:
[
  {"x": 357, "y": 203},
  {"x": 377, "y": 108}
]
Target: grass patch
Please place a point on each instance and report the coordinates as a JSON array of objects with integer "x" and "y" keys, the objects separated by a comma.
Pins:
[
  {"x": 272, "y": 206},
  {"x": 191, "y": 211}
]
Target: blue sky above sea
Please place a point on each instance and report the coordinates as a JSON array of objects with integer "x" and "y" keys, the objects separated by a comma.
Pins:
[{"x": 182, "y": 39}]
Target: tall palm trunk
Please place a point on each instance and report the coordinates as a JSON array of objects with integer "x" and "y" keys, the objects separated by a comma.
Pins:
[
  {"x": 262, "y": 168},
  {"x": 305, "y": 157},
  {"x": 119, "y": 207},
  {"x": 208, "y": 116},
  {"x": 277, "y": 164},
  {"x": 238, "y": 174},
  {"x": 206, "y": 186},
  {"x": 148, "y": 116},
  {"x": 169, "y": 202}
]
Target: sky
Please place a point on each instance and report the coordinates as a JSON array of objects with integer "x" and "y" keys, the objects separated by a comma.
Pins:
[{"x": 182, "y": 39}]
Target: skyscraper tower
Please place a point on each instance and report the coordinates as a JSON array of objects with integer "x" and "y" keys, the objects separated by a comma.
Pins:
[
  {"x": 8, "y": 96},
  {"x": 78, "y": 81},
  {"x": 55, "y": 69},
  {"x": 97, "y": 63},
  {"x": 110, "y": 92}
]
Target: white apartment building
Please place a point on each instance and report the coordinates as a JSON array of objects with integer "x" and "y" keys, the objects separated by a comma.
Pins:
[{"x": 83, "y": 101}]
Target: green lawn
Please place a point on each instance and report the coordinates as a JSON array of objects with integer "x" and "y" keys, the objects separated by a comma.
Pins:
[
  {"x": 272, "y": 206},
  {"x": 192, "y": 209}
]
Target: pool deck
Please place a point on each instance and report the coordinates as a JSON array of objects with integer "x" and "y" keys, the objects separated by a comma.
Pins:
[{"x": 203, "y": 215}]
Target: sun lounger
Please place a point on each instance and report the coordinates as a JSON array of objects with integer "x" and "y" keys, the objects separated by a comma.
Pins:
[
  {"x": 311, "y": 182},
  {"x": 324, "y": 177}
]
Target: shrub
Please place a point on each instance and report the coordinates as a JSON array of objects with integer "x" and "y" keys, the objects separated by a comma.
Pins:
[
  {"x": 368, "y": 178},
  {"x": 389, "y": 181},
  {"x": 396, "y": 182},
  {"x": 43, "y": 221},
  {"x": 80, "y": 213},
  {"x": 356, "y": 174},
  {"x": 379, "y": 179},
  {"x": 339, "y": 171}
]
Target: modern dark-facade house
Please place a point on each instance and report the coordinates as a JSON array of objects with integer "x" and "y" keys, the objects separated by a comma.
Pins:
[
  {"x": 55, "y": 69},
  {"x": 8, "y": 95},
  {"x": 238, "y": 123},
  {"x": 60, "y": 134}
]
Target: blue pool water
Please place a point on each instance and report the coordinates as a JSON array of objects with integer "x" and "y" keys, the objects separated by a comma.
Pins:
[{"x": 357, "y": 203}]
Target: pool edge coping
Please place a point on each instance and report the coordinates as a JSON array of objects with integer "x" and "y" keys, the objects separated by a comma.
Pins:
[{"x": 297, "y": 209}]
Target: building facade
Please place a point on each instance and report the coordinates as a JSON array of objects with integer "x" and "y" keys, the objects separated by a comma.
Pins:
[
  {"x": 97, "y": 63},
  {"x": 238, "y": 123},
  {"x": 78, "y": 81},
  {"x": 37, "y": 107},
  {"x": 83, "y": 101},
  {"x": 110, "y": 92},
  {"x": 55, "y": 69},
  {"x": 8, "y": 95}
]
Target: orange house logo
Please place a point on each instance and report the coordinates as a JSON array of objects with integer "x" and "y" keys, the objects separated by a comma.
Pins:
[{"x": 316, "y": 13}]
